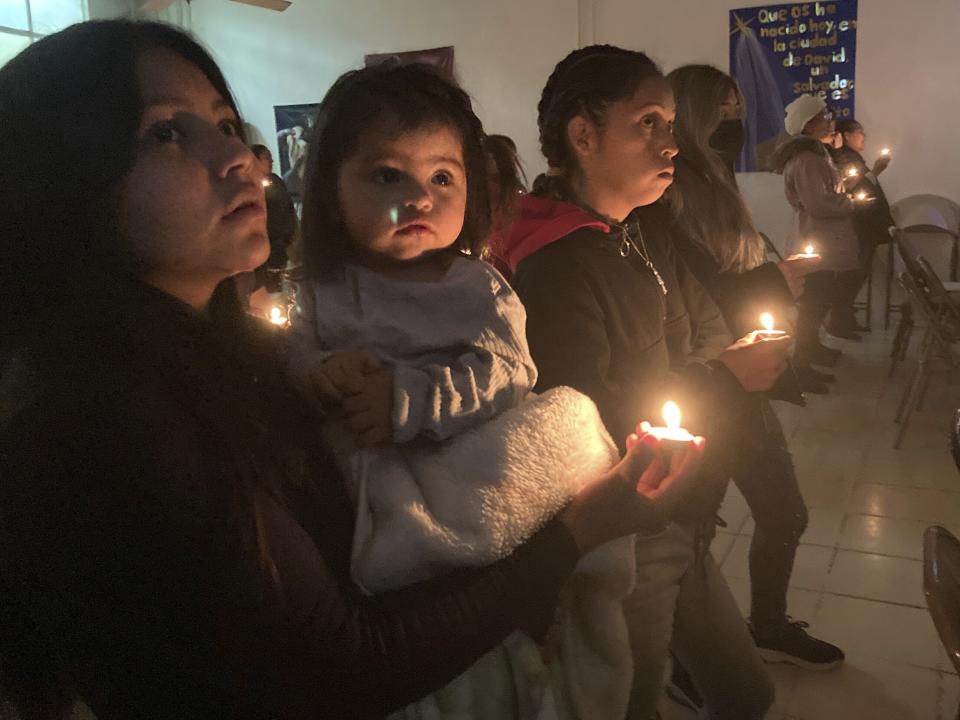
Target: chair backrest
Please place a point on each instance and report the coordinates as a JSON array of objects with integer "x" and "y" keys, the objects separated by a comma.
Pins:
[
  {"x": 927, "y": 212},
  {"x": 921, "y": 301},
  {"x": 941, "y": 585},
  {"x": 938, "y": 293},
  {"x": 908, "y": 252}
]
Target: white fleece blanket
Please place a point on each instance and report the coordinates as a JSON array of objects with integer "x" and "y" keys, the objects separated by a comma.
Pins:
[{"x": 424, "y": 508}]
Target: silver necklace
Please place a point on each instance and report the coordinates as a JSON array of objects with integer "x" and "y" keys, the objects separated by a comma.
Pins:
[{"x": 627, "y": 244}]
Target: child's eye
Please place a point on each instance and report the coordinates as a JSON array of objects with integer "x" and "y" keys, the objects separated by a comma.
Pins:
[
  {"x": 443, "y": 178},
  {"x": 387, "y": 175},
  {"x": 165, "y": 131},
  {"x": 231, "y": 128}
]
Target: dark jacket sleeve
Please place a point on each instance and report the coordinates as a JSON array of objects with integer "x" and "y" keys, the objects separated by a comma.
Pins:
[
  {"x": 742, "y": 297},
  {"x": 122, "y": 536}
]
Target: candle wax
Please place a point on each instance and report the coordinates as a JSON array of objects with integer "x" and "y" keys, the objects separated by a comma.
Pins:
[{"x": 676, "y": 435}]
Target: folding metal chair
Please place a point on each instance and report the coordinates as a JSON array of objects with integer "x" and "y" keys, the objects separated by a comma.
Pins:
[
  {"x": 929, "y": 214},
  {"x": 941, "y": 331}
]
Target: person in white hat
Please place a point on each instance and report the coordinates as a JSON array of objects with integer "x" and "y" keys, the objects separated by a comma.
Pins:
[{"x": 822, "y": 218}]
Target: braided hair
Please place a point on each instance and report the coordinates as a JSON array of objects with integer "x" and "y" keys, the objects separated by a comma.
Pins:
[
  {"x": 584, "y": 83},
  {"x": 393, "y": 98}
]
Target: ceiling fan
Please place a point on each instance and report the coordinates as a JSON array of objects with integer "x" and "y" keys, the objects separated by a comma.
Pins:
[{"x": 278, "y": 5}]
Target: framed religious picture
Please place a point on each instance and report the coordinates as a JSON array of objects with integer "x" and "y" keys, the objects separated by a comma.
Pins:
[{"x": 294, "y": 128}]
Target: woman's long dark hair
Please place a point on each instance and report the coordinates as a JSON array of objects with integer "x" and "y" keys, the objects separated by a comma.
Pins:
[
  {"x": 391, "y": 98},
  {"x": 584, "y": 83},
  {"x": 70, "y": 107},
  {"x": 706, "y": 201}
]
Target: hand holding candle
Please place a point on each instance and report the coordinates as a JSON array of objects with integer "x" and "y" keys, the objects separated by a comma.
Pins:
[
  {"x": 766, "y": 322},
  {"x": 639, "y": 494},
  {"x": 883, "y": 161},
  {"x": 672, "y": 432},
  {"x": 757, "y": 362},
  {"x": 795, "y": 268}
]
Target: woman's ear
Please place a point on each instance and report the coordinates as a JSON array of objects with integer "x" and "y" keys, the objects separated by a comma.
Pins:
[{"x": 581, "y": 136}]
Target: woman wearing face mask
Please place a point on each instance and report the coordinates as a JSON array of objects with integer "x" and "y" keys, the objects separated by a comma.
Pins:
[
  {"x": 606, "y": 316},
  {"x": 174, "y": 541},
  {"x": 873, "y": 217},
  {"x": 715, "y": 236},
  {"x": 822, "y": 217}
]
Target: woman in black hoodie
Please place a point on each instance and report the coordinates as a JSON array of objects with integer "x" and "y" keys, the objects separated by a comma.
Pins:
[{"x": 609, "y": 314}]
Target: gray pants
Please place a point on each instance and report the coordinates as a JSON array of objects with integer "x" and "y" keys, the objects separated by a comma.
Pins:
[{"x": 690, "y": 611}]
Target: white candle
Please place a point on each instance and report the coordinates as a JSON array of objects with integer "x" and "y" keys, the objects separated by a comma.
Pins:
[
  {"x": 808, "y": 252},
  {"x": 672, "y": 433},
  {"x": 766, "y": 322},
  {"x": 277, "y": 316}
]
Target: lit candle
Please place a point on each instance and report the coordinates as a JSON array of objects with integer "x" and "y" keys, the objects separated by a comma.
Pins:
[
  {"x": 885, "y": 152},
  {"x": 278, "y": 316},
  {"x": 766, "y": 321},
  {"x": 852, "y": 172},
  {"x": 672, "y": 434},
  {"x": 808, "y": 252},
  {"x": 266, "y": 182},
  {"x": 861, "y": 197}
]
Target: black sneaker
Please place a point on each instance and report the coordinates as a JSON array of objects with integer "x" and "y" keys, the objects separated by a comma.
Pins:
[{"x": 791, "y": 643}]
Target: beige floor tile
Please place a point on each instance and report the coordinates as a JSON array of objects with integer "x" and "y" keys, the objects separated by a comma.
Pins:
[
  {"x": 877, "y": 577},
  {"x": 929, "y": 505},
  {"x": 866, "y": 688},
  {"x": 721, "y": 545},
  {"x": 875, "y": 629},
  {"x": 886, "y": 536},
  {"x": 911, "y": 468}
]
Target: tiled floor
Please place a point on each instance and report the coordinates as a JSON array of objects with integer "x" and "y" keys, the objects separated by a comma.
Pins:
[{"x": 858, "y": 574}]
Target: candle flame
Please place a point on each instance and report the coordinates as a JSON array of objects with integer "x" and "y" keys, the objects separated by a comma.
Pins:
[
  {"x": 885, "y": 151},
  {"x": 852, "y": 172},
  {"x": 265, "y": 182},
  {"x": 671, "y": 415},
  {"x": 861, "y": 196},
  {"x": 808, "y": 250},
  {"x": 276, "y": 315},
  {"x": 766, "y": 320}
]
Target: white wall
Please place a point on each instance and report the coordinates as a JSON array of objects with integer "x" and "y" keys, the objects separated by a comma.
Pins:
[
  {"x": 907, "y": 76},
  {"x": 504, "y": 51},
  {"x": 907, "y": 67}
]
